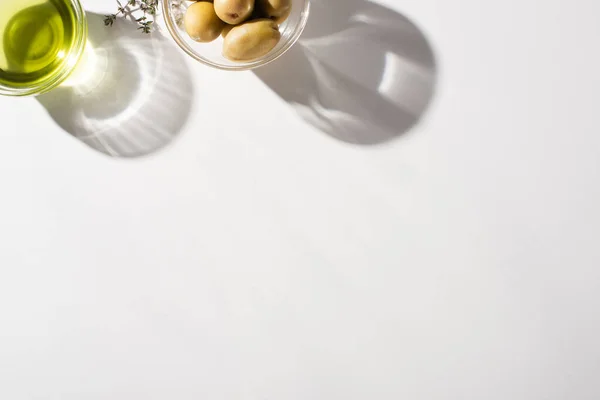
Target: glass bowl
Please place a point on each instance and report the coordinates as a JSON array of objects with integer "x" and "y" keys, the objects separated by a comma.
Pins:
[
  {"x": 69, "y": 61},
  {"x": 210, "y": 53}
]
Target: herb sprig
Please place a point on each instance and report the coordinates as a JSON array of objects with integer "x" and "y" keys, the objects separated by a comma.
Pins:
[{"x": 132, "y": 8}]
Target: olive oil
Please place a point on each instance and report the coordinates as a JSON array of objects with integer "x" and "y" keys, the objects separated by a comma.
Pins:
[{"x": 36, "y": 37}]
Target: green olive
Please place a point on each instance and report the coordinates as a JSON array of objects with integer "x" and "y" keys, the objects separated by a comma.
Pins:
[
  {"x": 251, "y": 40},
  {"x": 202, "y": 23},
  {"x": 277, "y": 10},
  {"x": 234, "y": 11}
]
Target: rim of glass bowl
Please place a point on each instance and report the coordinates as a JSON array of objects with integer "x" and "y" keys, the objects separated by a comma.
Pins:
[
  {"x": 71, "y": 60},
  {"x": 173, "y": 30}
]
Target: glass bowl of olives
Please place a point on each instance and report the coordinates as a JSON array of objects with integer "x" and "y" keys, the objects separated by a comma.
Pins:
[{"x": 236, "y": 35}]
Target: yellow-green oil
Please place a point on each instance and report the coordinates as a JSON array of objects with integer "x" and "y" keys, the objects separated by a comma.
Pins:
[{"x": 35, "y": 38}]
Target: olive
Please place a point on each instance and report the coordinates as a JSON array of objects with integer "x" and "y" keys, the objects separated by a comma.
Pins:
[
  {"x": 234, "y": 11},
  {"x": 277, "y": 10},
  {"x": 251, "y": 40},
  {"x": 202, "y": 23}
]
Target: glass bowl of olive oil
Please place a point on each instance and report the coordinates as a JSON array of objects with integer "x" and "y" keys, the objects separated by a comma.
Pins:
[{"x": 41, "y": 42}]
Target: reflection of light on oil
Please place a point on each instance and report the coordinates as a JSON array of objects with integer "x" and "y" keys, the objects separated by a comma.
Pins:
[
  {"x": 123, "y": 98},
  {"x": 89, "y": 70},
  {"x": 60, "y": 55},
  {"x": 99, "y": 82},
  {"x": 150, "y": 70}
]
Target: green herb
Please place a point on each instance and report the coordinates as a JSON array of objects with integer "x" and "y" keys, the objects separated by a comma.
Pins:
[{"x": 132, "y": 8}]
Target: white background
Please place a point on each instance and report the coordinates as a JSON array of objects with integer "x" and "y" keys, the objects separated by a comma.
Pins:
[{"x": 257, "y": 256}]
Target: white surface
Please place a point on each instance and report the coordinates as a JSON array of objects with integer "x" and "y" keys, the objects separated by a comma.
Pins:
[{"x": 262, "y": 259}]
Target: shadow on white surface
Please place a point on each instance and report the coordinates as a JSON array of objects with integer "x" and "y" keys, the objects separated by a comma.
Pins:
[
  {"x": 361, "y": 73},
  {"x": 130, "y": 96}
]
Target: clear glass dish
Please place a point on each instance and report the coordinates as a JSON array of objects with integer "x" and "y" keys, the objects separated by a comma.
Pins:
[
  {"x": 210, "y": 53},
  {"x": 69, "y": 61}
]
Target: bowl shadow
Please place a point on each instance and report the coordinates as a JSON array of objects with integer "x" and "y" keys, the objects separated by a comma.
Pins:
[
  {"x": 361, "y": 73},
  {"x": 131, "y": 94}
]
